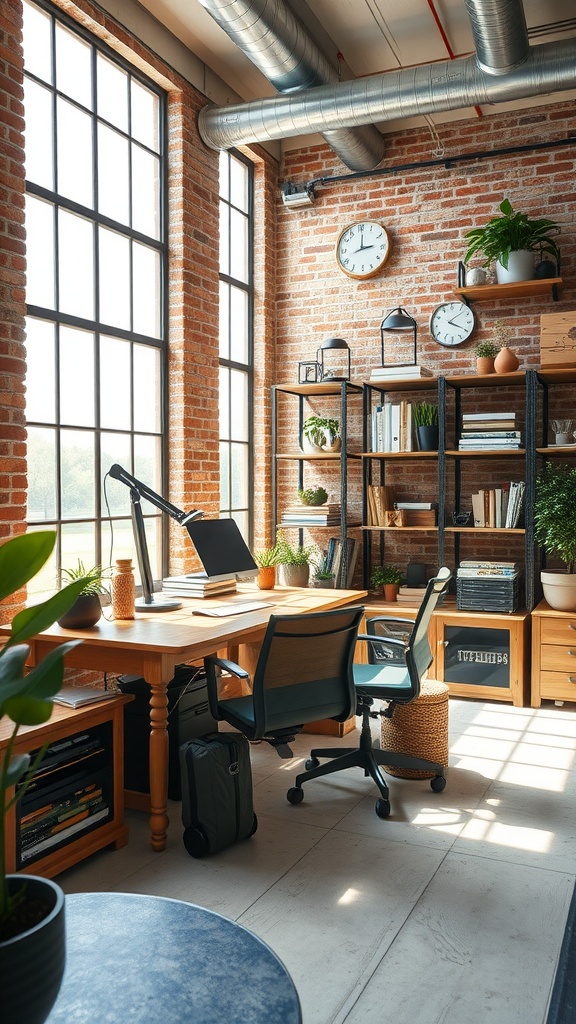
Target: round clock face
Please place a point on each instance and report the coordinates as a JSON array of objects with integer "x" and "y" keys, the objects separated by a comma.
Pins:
[
  {"x": 362, "y": 249},
  {"x": 451, "y": 323}
]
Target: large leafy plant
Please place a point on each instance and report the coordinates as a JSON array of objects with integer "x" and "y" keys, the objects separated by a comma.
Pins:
[
  {"x": 509, "y": 233},
  {"x": 26, "y": 698},
  {"x": 555, "y": 512}
]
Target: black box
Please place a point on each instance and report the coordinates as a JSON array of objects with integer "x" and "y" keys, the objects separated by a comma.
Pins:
[
  {"x": 188, "y": 718},
  {"x": 488, "y": 595}
]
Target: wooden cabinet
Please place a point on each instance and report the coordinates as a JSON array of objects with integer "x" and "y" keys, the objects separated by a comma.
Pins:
[
  {"x": 97, "y": 730},
  {"x": 553, "y": 655}
]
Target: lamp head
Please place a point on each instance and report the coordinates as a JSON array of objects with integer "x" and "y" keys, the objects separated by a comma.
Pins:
[
  {"x": 337, "y": 366},
  {"x": 398, "y": 321}
]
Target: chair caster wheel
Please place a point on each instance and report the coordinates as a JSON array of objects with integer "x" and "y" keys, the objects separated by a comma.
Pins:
[
  {"x": 438, "y": 783},
  {"x": 295, "y": 795},
  {"x": 311, "y": 763},
  {"x": 382, "y": 808},
  {"x": 254, "y": 827},
  {"x": 195, "y": 841}
]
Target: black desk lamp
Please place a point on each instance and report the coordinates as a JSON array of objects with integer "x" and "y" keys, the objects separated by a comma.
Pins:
[{"x": 149, "y": 602}]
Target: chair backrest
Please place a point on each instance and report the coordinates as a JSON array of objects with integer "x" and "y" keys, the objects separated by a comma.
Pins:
[
  {"x": 418, "y": 654},
  {"x": 304, "y": 671}
]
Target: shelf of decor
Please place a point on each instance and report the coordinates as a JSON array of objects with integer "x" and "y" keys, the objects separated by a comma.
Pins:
[{"x": 489, "y": 292}]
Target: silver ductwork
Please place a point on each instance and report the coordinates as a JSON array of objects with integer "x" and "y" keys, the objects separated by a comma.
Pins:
[
  {"x": 434, "y": 88},
  {"x": 500, "y": 34},
  {"x": 279, "y": 45}
]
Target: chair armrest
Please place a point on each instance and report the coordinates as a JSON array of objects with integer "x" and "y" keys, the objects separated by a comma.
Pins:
[
  {"x": 388, "y": 640},
  {"x": 228, "y": 666},
  {"x": 213, "y": 667}
]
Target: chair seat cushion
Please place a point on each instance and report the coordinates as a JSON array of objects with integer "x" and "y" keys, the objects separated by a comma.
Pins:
[{"x": 387, "y": 682}]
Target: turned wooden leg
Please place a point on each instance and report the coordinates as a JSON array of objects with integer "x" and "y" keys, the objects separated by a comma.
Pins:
[{"x": 158, "y": 763}]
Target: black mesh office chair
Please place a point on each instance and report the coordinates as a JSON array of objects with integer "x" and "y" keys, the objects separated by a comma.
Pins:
[
  {"x": 396, "y": 681},
  {"x": 304, "y": 674}
]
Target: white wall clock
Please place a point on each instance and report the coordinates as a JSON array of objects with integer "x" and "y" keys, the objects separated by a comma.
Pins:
[
  {"x": 362, "y": 249},
  {"x": 451, "y": 323}
]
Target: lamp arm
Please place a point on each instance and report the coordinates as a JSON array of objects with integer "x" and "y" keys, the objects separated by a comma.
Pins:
[{"x": 118, "y": 473}]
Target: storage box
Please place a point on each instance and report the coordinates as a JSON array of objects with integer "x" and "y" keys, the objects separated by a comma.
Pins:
[
  {"x": 488, "y": 595},
  {"x": 558, "y": 339}
]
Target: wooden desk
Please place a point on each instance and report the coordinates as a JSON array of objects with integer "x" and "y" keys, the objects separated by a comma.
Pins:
[{"x": 152, "y": 644}]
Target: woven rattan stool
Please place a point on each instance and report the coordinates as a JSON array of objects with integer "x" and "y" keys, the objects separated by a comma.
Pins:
[{"x": 420, "y": 729}]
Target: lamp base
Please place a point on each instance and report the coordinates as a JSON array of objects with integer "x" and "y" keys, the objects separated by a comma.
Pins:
[{"x": 159, "y": 603}]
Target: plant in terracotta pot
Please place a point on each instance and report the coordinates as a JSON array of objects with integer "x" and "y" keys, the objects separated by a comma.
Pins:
[
  {"x": 321, "y": 434},
  {"x": 267, "y": 559},
  {"x": 509, "y": 234},
  {"x": 486, "y": 352},
  {"x": 506, "y": 360},
  {"x": 389, "y": 577},
  {"x": 425, "y": 418},
  {"x": 294, "y": 561},
  {"x": 555, "y": 531},
  {"x": 86, "y": 609},
  {"x": 31, "y": 908}
]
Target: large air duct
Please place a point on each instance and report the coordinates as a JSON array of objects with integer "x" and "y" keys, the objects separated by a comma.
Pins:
[
  {"x": 433, "y": 88},
  {"x": 279, "y": 45},
  {"x": 500, "y": 34}
]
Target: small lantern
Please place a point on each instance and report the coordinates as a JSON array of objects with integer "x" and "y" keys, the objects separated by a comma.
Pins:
[
  {"x": 333, "y": 358},
  {"x": 308, "y": 373},
  {"x": 398, "y": 321}
]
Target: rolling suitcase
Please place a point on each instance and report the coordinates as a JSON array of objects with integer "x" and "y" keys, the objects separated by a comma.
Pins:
[{"x": 216, "y": 792}]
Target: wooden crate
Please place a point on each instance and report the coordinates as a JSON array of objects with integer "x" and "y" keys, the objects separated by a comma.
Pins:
[{"x": 558, "y": 339}]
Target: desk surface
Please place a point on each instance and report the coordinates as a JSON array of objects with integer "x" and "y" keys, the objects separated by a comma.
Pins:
[{"x": 148, "y": 959}]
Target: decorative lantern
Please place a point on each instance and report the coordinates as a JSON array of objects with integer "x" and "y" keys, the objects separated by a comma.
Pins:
[
  {"x": 308, "y": 373},
  {"x": 333, "y": 358},
  {"x": 398, "y": 321}
]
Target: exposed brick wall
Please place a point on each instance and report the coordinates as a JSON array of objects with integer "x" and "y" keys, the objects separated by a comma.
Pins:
[{"x": 426, "y": 211}]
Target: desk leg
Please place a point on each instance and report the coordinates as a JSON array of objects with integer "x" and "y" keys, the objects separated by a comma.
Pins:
[{"x": 158, "y": 759}]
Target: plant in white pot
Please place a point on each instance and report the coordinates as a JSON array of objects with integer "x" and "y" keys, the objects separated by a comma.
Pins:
[
  {"x": 503, "y": 238},
  {"x": 321, "y": 434},
  {"x": 555, "y": 531},
  {"x": 32, "y": 941}
]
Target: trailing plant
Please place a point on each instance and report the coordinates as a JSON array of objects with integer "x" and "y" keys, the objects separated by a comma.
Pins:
[
  {"x": 383, "y": 575},
  {"x": 26, "y": 698},
  {"x": 313, "y": 496},
  {"x": 319, "y": 430},
  {"x": 509, "y": 233},
  {"x": 486, "y": 349},
  {"x": 425, "y": 414},
  {"x": 555, "y": 512},
  {"x": 290, "y": 555},
  {"x": 267, "y": 556}
]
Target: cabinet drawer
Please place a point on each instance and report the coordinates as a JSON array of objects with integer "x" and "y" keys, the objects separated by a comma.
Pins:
[
  {"x": 554, "y": 658},
  {"x": 558, "y": 631},
  {"x": 557, "y": 686}
]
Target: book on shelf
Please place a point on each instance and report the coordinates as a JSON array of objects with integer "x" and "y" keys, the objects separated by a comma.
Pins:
[
  {"x": 295, "y": 520},
  {"x": 298, "y": 508},
  {"x": 392, "y": 427},
  {"x": 498, "y": 507},
  {"x": 400, "y": 372},
  {"x": 197, "y": 585},
  {"x": 60, "y": 837},
  {"x": 492, "y": 434},
  {"x": 473, "y": 417},
  {"x": 420, "y": 517},
  {"x": 79, "y": 696},
  {"x": 343, "y": 568},
  {"x": 499, "y": 444},
  {"x": 473, "y": 574},
  {"x": 380, "y": 499},
  {"x": 416, "y": 504},
  {"x": 515, "y": 503}
]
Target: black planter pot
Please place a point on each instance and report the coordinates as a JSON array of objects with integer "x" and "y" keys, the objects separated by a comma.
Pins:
[
  {"x": 32, "y": 963},
  {"x": 428, "y": 438},
  {"x": 85, "y": 612}
]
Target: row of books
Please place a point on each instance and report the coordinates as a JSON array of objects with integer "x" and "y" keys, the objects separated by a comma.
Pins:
[
  {"x": 499, "y": 506},
  {"x": 416, "y": 513},
  {"x": 197, "y": 584},
  {"x": 342, "y": 562},
  {"x": 391, "y": 427}
]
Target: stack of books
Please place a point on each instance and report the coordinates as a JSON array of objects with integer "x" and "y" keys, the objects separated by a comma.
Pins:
[
  {"x": 342, "y": 567},
  {"x": 328, "y": 514},
  {"x": 410, "y": 595},
  {"x": 419, "y": 513},
  {"x": 197, "y": 584},
  {"x": 411, "y": 372},
  {"x": 488, "y": 586},
  {"x": 493, "y": 431},
  {"x": 499, "y": 507}
]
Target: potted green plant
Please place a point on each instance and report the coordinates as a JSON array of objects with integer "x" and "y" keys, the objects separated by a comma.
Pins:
[
  {"x": 555, "y": 531},
  {"x": 425, "y": 418},
  {"x": 86, "y": 609},
  {"x": 321, "y": 434},
  {"x": 267, "y": 559},
  {"x": 503, "y": 237},
  {"x": 486, "y": 352},
  {"x": 323, "y": 575},
  {"x": 313, "y": 496},
  {"x": 31, "y": 908},
  {"x": 294, "y": 561},
  {"x": 389, "y": 577}
]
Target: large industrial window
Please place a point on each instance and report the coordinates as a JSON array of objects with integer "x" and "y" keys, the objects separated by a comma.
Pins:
[
  {"x": 96, "y": 253},
  {"x": 236, "y": 305}
]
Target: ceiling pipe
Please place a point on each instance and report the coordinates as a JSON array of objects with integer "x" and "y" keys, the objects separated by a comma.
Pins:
[
  {"x": 429, "y": 89},
  {"x": 277, "y": 42},
  {"x": 500, "y": 34}
]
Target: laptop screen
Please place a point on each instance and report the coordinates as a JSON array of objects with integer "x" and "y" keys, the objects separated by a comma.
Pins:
[{"x": 222, "y": 549}]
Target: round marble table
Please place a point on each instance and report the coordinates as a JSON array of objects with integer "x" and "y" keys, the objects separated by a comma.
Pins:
[{"x": 150, "y": 960}]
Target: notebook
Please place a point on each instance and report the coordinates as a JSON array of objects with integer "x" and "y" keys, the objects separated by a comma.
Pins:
[{"x": 222, "y": 610}]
